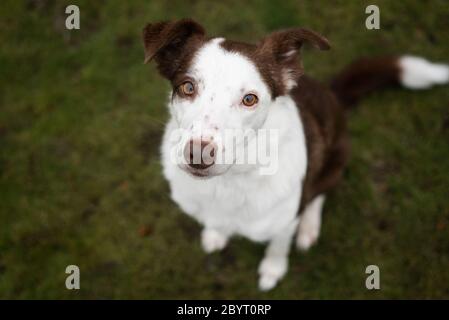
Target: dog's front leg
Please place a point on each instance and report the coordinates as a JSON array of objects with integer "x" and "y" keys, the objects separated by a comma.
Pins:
[
  {"x": 213, "y": 239},
  {"x": 275, "y": 263}
]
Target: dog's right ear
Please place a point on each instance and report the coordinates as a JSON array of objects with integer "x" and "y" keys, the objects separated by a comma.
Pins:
[{"x": 167, "y": 43}]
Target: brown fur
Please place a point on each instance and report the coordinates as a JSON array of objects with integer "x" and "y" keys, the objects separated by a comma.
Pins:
[
  {"x": 322, "y": 112},
  {"x": 327, "y": 142},
  {"x": 363, "y": 76},
  {"x": 270, "y": 55},
  {"x": 172, "y": 45}
]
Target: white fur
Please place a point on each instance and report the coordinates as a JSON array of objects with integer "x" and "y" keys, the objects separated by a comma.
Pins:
[
  {"x": 240, "y": 201},
  {"x": 418, "y": 73},
  {"x": 212, "y": 240},
  {"x": 275, "y": 263},
  {"x": 310, "y": 224}
]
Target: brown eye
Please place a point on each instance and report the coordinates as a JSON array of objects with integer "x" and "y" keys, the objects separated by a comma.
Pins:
[
  {"x": 187, "y": 88},
  {"x": 250, "y": 100}
]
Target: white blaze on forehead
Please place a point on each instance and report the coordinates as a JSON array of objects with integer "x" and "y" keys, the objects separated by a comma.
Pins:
[{"x": 222, "y": 72}]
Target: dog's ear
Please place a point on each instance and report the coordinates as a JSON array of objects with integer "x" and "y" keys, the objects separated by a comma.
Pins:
[
  {"x": 166, "y": 43},
  {"x": 284, "y": 46}
]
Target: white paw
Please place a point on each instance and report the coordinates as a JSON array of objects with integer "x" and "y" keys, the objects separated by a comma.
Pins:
[
  {"x": 212, "y": 240},
  {"x": 307, "y": 235},
  {"x": 271, "y": 270}
]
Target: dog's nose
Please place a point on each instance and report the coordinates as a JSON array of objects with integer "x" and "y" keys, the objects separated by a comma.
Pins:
[{"x": 200, "y": 154}]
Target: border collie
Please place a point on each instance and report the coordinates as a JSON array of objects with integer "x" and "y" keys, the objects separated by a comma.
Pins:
[{"x": 219, "y": 85}]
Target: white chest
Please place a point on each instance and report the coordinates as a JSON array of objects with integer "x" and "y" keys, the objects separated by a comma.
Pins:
[{"x": 249, "y": 206}]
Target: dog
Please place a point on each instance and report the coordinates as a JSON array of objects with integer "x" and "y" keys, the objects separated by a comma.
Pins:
[{"x": 220, "y": 84}]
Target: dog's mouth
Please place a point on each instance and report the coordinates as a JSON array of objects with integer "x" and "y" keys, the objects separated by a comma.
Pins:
[
  {"x": 204, "y": 173},
  {"x": 197, "y": 173}
]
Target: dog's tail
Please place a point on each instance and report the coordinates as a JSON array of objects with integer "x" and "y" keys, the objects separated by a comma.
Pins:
[{"x": 368, "y": 74}]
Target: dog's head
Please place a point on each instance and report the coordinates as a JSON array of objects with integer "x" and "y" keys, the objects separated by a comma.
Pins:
[{"x": 221, "y": 85}]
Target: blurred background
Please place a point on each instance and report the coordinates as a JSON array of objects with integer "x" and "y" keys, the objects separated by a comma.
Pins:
[{"x": 81, "y": 120}]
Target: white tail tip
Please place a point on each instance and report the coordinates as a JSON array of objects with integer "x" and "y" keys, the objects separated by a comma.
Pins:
[{"x": 418, "y": 73}]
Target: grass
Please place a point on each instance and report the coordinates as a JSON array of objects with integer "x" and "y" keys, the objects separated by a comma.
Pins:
[{"x": 80, "y": 125}]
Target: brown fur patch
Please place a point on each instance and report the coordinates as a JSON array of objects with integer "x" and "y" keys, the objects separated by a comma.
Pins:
[
  {"x": 276, "y": 56},
  {"x": 363, "y": 76},
  {"x": 172, "y": 45},
  {"x": 327, "y": 142},
  {"x": 323, "y": 115},
  {"x": 265, "y": 64}
]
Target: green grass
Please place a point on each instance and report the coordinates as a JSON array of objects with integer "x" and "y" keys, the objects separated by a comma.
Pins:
[{"x": 80, "y": 123}]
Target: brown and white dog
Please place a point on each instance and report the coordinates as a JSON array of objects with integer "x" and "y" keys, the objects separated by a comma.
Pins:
[{"x": 220, "y": 85}]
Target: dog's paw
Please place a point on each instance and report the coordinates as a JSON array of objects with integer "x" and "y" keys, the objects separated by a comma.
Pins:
[
  {"x": 271, "y": 270},
  {"x": 308, "y": 234},
  {"x": 212, "y": 240}
]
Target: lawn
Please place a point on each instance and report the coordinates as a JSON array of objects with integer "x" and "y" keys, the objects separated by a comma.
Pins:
[{"x": 81, "y": 120}]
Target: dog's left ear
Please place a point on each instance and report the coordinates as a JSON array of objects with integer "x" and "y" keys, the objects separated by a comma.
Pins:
[
  {"x": 284, "y": 46},
  {"x": 167, "y": 42}
]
